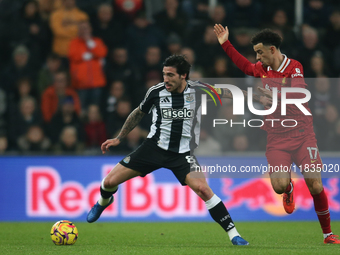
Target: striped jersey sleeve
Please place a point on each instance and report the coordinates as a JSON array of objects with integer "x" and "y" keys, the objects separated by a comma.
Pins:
[{"x": 149, "y": 100}]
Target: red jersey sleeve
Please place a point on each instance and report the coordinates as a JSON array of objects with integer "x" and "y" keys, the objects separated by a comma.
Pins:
[{"x": 240, "y": 61}]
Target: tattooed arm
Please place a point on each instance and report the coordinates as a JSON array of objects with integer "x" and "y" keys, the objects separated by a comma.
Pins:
[{"x": 131, "y": 122}]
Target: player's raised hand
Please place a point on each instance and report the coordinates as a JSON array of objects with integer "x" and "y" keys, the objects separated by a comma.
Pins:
[
  {"x": 108, "y": 143},
  {"x": 221, "y": 33}
]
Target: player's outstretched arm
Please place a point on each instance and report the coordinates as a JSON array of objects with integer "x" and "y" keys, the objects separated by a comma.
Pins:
[
  {"x": 131, "y": 122},
  {"x": 240, "y": 61}
]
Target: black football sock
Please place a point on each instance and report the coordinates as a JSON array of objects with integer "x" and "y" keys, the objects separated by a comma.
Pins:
[{"x": 220, "y": 214}]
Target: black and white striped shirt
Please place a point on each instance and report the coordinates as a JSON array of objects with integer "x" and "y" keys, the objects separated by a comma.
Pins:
[{"x": 176, "y": 117}]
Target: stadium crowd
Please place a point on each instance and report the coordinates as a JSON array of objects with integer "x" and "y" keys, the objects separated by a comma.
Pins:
[{"x": 72, "y": 71}]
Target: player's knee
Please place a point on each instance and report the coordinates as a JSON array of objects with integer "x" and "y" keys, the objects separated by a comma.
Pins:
[
  {"x": 280, "y": 185},
  {"x": 314, "y": 186},
  {"x": 110, "y": 183},
  {"x": 203, "y": 191}
]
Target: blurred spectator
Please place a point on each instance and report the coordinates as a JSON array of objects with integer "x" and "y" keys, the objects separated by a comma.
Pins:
[
  {"x": 86, "y": 54},
  {"x": 140, "y": 35},
  {"x": 106, "y": 28},
  {"x": 46, "y": 74},
  {"x": 172, "y": 19},
  {"x": 115, "y": 92},
  {"x": 201, "y": 9},
  {"x": 208, "y": 146},
  {"x": 317, "y": 13},
  {"x": 240, "y": 143},
  {"x": 129, "y": 8},
  {"x": 242, "y": 38},
  {"x": 220, "y": 68},
  {"x": 174, "y": 44},
  {"x": 53, "y": 96},
  {"x": 65, "y": 116},
  {"x": 318, "y": 66},
  {"x": 34, "y": 141},
  {"x": 152, "y": 62},
  {"x": 116, "y": 120},
  {"x": 208, "y": 48},
  {"x": 218, "y": 15},
  {"x": 3, "y": 144},
  {"x": 21, "y": 120},
  {"x": 95, "y": 128},
  {"x": 325, "y": 127},
  {"x": 46, "y": 7},
  {"x": 152, "y": 78},
  {"x": 332, "y": 35},
  {"x": 29, "y": 29},
  {"x": 196, "y": 75},
  {"x": 281, "y": 25},
  {"x": 68, "y": 142},
  {"x": 17, "y": 69},
  {"x": 243, "y": 13},
  {"x": 23, "y": 88},
  {"x": 64, "y": 25},
  {"x": 311, "y": 45},
  {"x": 120, "y": 68},
  {"x": 191, "y": 58}
]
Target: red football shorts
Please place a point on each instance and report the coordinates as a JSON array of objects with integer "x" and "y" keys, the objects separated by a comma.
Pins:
[{"x": 302, "y": 150}]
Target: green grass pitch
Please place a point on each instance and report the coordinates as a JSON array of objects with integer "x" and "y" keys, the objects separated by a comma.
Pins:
[{"x": 169, "y": 238}]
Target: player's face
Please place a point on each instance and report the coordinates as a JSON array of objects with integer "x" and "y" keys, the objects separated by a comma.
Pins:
[
  {"x": 264, "y": 54},
  {"x": 173, "y": 81}
]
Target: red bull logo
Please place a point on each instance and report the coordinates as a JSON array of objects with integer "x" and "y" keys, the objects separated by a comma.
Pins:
[
  {"x": 48, "y": 196},
  {"x": 258, "y": 194}
]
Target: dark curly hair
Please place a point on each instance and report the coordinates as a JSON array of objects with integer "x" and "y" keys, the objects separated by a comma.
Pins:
[
  {"x": 180, "y": 63},
  {"x": 267, "y": 37}
]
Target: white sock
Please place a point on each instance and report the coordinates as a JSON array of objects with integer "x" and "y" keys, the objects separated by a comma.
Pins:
[
  {"x": 232, "y": 233},
  {"x": 104, "y": 201},
  {"x": 325, "y": 235},
  {"x": 212, "y": 202}
]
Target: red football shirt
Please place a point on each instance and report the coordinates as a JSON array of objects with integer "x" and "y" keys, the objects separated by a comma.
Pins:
[{"x": 289, "y": 74}]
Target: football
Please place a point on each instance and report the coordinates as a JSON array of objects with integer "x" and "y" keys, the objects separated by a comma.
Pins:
[{"x": 64, "y": 232}]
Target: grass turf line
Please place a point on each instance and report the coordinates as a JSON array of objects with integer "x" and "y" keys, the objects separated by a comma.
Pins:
[{"x": 169, "y": 238}]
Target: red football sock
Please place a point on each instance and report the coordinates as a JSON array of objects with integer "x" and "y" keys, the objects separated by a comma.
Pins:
[{"x": 321, "y": 209}]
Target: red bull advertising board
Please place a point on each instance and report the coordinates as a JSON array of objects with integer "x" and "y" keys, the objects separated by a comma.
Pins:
[{"x": 51, "y": 188}]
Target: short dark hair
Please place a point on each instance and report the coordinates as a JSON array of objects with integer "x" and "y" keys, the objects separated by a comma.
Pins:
[
  {"x": 180, "y": 63},
  {"x": 267, "y": 37}
]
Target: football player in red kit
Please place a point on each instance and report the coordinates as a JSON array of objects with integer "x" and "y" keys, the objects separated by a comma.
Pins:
[{"x": 284, "y": 145}]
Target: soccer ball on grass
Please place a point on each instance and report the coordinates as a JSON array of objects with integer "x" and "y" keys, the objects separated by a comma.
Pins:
[{"x": 64, "y": 232}]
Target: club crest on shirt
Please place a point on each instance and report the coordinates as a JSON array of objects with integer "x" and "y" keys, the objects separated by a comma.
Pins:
[
  {"x": 189, "y": 98},
  {"x": 283, "y": 83},
  {"x": 126, "y": 160}
]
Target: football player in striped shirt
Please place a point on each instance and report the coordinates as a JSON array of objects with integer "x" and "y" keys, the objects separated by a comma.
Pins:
[{"x": 176, "y": 110}]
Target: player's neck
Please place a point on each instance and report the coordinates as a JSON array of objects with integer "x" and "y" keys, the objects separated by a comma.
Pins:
[
  {"x": 182, "y": 87},
  {"x": 277, "y": 61}
]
